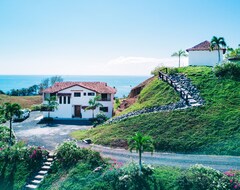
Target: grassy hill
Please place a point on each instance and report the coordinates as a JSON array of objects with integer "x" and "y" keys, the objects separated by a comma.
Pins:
[
  {"x": 154, "y": 94},
  {"x": 24, "y": 101},
  {"x": 212, "y": 129}
]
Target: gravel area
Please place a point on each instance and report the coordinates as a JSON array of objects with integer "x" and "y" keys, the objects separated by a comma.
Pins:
[{"x": 41, "y": 134}]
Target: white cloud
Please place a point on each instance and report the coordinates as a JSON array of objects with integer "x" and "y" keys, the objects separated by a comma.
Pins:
[{"x": 139, "y": 65}]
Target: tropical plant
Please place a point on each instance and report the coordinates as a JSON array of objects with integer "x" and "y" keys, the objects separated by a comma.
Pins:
[
  {"x": 217, "y": 43},
  {"x": 233, "y": 54},
  {"x": 93, "y": 104},
  {"x": 179, "y": 54},
  {"x": 51, "y": 104},
  {"x": 141, "y": 143},
  {"x": 8, "y": 110}
]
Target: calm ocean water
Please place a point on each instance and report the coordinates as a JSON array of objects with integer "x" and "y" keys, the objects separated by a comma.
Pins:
[{"x": 122, "y": 83}]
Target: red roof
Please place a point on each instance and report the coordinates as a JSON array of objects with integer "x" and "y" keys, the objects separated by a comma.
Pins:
[
  {"x": 203, "y": 46},
  {"x": 99, "y": 87}
]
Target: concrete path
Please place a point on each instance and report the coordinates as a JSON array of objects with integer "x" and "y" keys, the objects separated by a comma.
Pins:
[
  {"x": 222, "y": 163},
  {"x": 41, "y": 134}
]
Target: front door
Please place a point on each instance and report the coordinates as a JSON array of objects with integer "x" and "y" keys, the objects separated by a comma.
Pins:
[{"x": 77, "y": 111}]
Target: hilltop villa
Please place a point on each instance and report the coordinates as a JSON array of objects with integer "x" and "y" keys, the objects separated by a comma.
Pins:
[
  {"x": 73, "y": 98},
  {"x": 200, "y": 55}
]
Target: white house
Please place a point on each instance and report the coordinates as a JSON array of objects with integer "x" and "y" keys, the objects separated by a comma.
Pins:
[
  {"x": 200, "y": 55},
  {"x": 73, "y": 98}
]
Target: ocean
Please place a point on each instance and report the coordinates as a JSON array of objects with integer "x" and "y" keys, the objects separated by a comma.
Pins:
[{"x": 123, "y": 84}]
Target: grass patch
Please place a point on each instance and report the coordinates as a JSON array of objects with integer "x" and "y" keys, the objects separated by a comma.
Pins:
[
  {"x": 211, "y": 129},
  {"x": 156, "y": 93},
  {"x": 23, "y": 101}
]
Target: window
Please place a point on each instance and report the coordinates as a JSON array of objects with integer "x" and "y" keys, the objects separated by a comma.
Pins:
[
  {"x": 104, "y": 109},
  {"x": 91, "y": 94},
  {"x": 60, "y": 99},
  {"x": 77, "y": 94},
  {"x": 69, "y": 99},
  {"x": 64, "y": 99},
  {"x": 84, "y": 94},
  {"x": 105, "y": 97}
]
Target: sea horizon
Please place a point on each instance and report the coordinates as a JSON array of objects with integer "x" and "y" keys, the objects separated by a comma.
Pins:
[{"x": 123, "y": 83}]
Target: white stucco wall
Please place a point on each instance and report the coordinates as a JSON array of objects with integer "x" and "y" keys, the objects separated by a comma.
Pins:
[
  {"x": 67, "y": 110},
  {"x": 204, "y": 58}
]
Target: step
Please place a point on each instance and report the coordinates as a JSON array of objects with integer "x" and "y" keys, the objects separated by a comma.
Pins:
[
  {"x": 192, "y": 101},
  {"x": 31, "y": 186},
  {"x": 196, "y": 104},
  {"x": 42, "y": 172},
  {"x": 45, "y": 167},
  {"x": 49, "y": 159},
  {"x": 47, "y": 163},
  {"x": 39, "y": 177},
  {"x": 51, "y": 155},
  {"x": 37, "y": 182}
]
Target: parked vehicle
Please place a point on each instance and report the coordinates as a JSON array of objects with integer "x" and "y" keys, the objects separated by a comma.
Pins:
[{"x": 25, "y": 113}]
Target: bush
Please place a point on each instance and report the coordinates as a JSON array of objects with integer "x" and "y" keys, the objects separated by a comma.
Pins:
[
  {"x": 100, "y": 119},
  {"x": 228, "y": 70},
  {"x": 128, "y": 177},
  {"x": 69, "y": 153},
  {"x": 36, "y": 107},
  {"x": 199, "y": 177}
]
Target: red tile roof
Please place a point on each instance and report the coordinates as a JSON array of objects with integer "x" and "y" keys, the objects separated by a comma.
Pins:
[
  {"x": 203, "y": 46},
  {"x": 99, "y": 87}
]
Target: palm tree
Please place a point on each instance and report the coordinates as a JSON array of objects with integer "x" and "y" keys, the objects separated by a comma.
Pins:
[
  {"x": 140, "y": 143},
  {"x": 93, "y": 104},
  {"x": 51, "y": 104},
  {"x": 8, "y": 110},
  {"x": 179, "y": 54},
  {"x": 217, "y": 43}
]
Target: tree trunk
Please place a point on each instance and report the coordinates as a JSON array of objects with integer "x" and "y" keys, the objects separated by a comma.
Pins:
[
  {"x": 92, "y": 113},
  {"x": 48, "y": 114},
  {"x": 10, "y": 140},
  {"x": 218, "y": 55},
  {"x": 179, "y": 61},
  {"x": 140, "y": 161}
]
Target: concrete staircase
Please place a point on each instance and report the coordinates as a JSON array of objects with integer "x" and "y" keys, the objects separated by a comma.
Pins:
[{"x": 38, "y": 178}]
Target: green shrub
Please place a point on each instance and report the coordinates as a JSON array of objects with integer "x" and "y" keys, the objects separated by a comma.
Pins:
[
  {"x": 36, "y": 107},
  {"x": 68, "y": 154},
  {"x": 100, "y": 119},
  {"x": 228, "y": 70},
  {"x": 199, "y": 177},
  {"x": 128, "y": 177}
]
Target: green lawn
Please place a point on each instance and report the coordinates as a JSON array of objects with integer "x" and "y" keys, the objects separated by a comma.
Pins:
[{"x": 211, "y": 129}]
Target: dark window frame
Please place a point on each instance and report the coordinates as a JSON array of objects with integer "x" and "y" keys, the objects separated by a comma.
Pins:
[
  {"x": 104, "y": 109},
  {"x": 60, "y": 99},
  {"x": 91, "y": 94},
  {"x": 64, "y": 100},
  {"x": 77, "y": 94}
]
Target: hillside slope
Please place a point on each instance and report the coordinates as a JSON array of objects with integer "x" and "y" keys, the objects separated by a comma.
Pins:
[
  {"x": 212, "y": 129},
  {"x": 24, "y": 101}
]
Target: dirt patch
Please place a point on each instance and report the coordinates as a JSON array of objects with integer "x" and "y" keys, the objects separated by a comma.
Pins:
[{"x": 119, "y": 143}]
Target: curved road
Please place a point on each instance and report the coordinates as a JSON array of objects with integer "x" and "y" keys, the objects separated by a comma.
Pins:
[{"x": 50, "y": 136}]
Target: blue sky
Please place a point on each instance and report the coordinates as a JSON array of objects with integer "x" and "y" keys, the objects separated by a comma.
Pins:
[{"x": 107, "y": 37}]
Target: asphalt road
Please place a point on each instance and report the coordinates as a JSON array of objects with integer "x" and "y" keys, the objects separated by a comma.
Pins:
[
  {"x": 222, "y": 163},
  {"x": 50, "y": 136}
]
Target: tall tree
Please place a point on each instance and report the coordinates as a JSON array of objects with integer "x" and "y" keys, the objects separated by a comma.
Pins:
[
  {"x": 55, "y": 79},
  {"x": 179, "y": 54},
  {"x": 141, "y": 143},
  {"x": 8, "y": 110},
  {"x": 93, "y": 104},
  {"x": 217, "y": 43},
  {"x": 51, "y": 105}
]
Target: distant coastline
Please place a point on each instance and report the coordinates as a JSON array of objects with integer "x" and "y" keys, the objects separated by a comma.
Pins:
[{"x": 122, "y": 83}]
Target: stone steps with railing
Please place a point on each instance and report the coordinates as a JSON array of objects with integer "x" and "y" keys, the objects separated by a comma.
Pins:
[{"x": 189, "y": 97}]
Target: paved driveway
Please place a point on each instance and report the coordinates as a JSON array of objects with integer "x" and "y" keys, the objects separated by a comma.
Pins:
[{"x": 42, "y": 135}]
